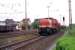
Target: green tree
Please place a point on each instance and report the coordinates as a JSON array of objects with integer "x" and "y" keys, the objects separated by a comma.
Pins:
[{"x": 35, "y": 24}]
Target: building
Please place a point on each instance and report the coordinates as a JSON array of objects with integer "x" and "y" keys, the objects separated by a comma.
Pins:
[{"x": 24, "y": 24}]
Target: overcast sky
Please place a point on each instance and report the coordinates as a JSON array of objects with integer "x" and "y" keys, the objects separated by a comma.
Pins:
[{"x": 15, "y": 9}]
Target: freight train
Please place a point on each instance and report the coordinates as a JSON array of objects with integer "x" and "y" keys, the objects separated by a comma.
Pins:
[
  {"x": 48, "y": 26},
  {"x": 5, "y": 28},
  {"x": 7, "y": 25}
]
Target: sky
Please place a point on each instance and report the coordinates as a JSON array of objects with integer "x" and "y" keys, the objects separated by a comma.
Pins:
[{"x": 15, "y": 9}]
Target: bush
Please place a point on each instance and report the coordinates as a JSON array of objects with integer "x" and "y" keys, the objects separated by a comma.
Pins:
[
  {"x": 35, "y": 25},
  {"x": 66, "y": 43}
]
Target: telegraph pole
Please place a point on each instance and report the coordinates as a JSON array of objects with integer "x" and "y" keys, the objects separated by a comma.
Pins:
[
  {"x": 25, "y": 9},
  {"x": 48, "y": 10},
  {"x": 70, "y": 15},
  {"x": 26, "y": 22}
]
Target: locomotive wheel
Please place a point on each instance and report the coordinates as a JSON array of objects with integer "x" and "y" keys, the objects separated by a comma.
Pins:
[
  {"x": 43, "y": 34},
  {"x": 49, "y": 31},
  {"x": 55, "y": 31},
  {"x": 46, "y": 31}
]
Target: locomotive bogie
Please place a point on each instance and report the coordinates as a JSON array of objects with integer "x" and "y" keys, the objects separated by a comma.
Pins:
[{"x": 47, "y": 31}]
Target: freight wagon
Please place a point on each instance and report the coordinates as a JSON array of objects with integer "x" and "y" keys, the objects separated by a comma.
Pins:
[{"x": 7, "y": 25}]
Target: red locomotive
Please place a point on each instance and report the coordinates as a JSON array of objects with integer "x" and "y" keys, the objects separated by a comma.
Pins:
[{"x": 48, "y": 26}]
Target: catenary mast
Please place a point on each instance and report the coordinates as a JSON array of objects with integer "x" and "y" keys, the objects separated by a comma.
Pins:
[
  {"x": 70, "y": 14},
  {"x": 25, "y": 9}
]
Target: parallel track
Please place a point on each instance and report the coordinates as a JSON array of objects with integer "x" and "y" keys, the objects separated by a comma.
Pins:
[
  {"x": 16, "y": 45},
  {"x": 13, "y": 34}
]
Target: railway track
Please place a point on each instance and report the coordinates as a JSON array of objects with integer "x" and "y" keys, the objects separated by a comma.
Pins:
[
  {"x": 21, "y": 43},
  {"x": 15, "y": 46},
  {"x": 4, "y": 41},
  {"x": 13, "y": 34}
]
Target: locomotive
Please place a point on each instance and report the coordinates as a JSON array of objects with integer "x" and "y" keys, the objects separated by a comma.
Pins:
[{"x": 48, "y": 26}]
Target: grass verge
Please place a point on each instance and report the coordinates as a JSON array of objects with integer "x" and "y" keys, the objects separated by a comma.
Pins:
[{"x": 67, "y": 42}]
